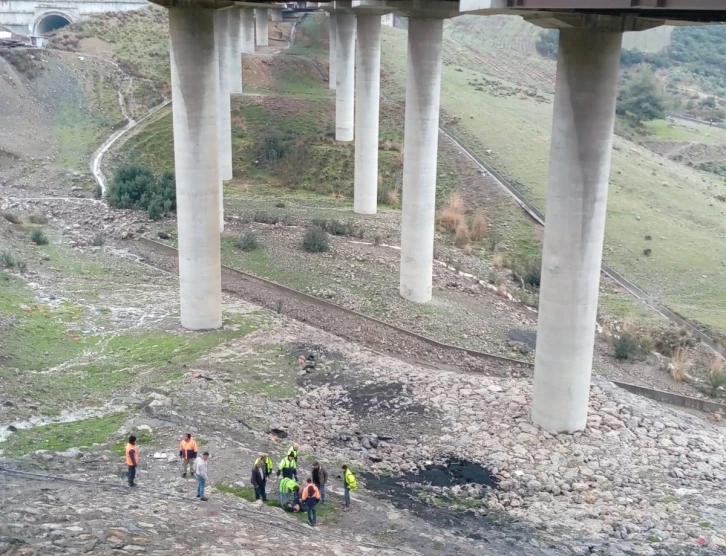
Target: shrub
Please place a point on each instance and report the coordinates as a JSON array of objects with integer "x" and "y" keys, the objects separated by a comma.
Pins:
[
  {"x": 136, "y": 187},
  {"x": 528, "y": 271},
  {"x": 461, "y": 236},
  {"x": 498, "y": 260},
  {"x": 679, "y": 365},
  {"x": 479, "y": 227},
  {"x": 280, "y": 205},
  {"x": 98, "y": 240},
  {"x": 278, "y": 307},
  {"x": 716, "y": 375},
  {"x": 11, "y": 217},
  {"x": 647, "y": 252},
  {"x": 265, "y": 217},
  {"x": 22, "y": 267},
  {"x": 315, "y": 240},
  {"x": 495, "y": 238},
  {"x": 668, "y": 341},
  {"x": 377, "y": 239},
  {"x": 248, "y": 242},
  {"x": 38, "y": 237},
  {"x": 452, "y": 215},
  {"x": 628, "y": 347},
  {"x": 7, "y": 260},
  {"x": 97, "y": 191},
  {"x": 37, "y": 219}
]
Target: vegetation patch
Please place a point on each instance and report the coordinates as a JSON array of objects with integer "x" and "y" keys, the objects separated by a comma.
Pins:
[
  {"x": 62, "y": 436},
  {"x": 315, "y": 240},
  {"x": 137, "y": 187}
]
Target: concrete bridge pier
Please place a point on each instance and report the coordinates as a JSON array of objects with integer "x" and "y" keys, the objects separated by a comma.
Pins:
[
  {"x": 332, "y": 49},
  {"x": 226, "y": 57},
  {"x": 195, "y": 94},
  {"x": 582, "y": 135},
  {"x": 421, "y": 140},
  {"x": 345, "y": 77},
  {"x": 367, "y": 101},
  {"x": 261, "y": 26},
  {"x": 247, "y": 22},
  {"x": 235, "y": 49}
]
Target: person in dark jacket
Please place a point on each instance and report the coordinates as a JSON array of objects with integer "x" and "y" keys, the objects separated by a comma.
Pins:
[
  {"x": 320, "y": 479},
  {"x": 258, "y": 480}
]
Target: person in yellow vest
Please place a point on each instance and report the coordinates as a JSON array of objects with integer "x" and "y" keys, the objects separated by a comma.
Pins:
[
  {"x": 132, "y": 459},
  {"x": 349, "y": 483},
  {"x": 267, "y": 464},
  {"x": 287, "y": 467},
  {"x": 289, "y": 494},
  {"x": 188, "y": 453},
  {"x": 293, "y": 451}
]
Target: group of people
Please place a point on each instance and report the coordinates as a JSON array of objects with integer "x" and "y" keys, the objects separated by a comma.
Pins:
[{"x": 293, "y": 497}]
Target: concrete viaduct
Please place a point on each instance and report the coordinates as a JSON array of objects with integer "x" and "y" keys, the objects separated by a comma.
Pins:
[
  {"x": 37, "y": 18},
  {"x": 207, "y": 38}
]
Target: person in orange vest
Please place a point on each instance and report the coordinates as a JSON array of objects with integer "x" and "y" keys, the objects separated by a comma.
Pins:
[
  {"x": 132, "y": 459},
  {"x": 188, "y": 453},
  {"x": 310, "y": 498}
]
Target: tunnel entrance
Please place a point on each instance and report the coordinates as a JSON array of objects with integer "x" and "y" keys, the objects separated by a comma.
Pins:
[{"x": 49, "y": 23}]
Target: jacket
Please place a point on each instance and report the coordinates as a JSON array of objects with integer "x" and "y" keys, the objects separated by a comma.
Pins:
[
  {"x": 322, "y": 476},
  {"x": 292, "y": 452},
  {"x": 268, "y": 465},
  {"x": 287, "y": 486},
  {"x": 310, "y": 495},
  {"x": 350, "y": 481},
  {"x": 200, "y": 468},
  {"x": 188, "y": 449},
  {"x": 258, "y": 479},
  {"x": 287, "y": 467}
]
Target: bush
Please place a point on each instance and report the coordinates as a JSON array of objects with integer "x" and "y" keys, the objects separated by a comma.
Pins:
[
  {"x": 668, "y": 341},
  {"x": 136, "y": 187},
  {"x": 628, "y": 347},
  {"x": 11, "y": 217},
  {"x": 97, "y": 191},
  {"x": 527, "y": 271},
  {"x": 338, "y": 228},
  {"x": 22, "y": 267},
  {"x": 716, "y": 376},
  {"x": 37, "y": 219},
  {"x": 98, "y": 240},
  {"x": 265, "y": 217},
  {"x": 38, "y": 237},
  {"x": 452, "y": 215},
  {"x": 315, "y": 240},
  {"x": 479, "y": 227},
  {"x": 248, "y": 242},
  {"x": 7, "y": 260},
  {"x": 679, "y": 365},
  {"x": 280, "y": 205}
]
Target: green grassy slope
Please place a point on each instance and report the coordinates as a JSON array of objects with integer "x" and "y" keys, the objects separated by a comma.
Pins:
[{"x": 649, "y": 195}]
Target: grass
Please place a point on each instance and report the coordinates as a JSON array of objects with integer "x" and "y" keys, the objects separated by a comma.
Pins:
[
  {"x": 682, "y": 132},
  {"x": 328, "y": 513},
  {"x": 269, "y": 371},
  {"x": 62, "y": 436}
]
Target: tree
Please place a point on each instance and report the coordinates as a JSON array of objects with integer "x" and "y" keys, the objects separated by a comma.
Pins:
[{"x": 642, "y": 98}]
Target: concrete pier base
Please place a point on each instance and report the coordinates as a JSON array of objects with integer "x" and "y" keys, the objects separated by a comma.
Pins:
[
  {"x": 195, "y": 94},
  {"x": 261, "y": 27},
  {"x": 247, "y": 24},
  {"x": 582, "y": 135},
  {"x": 345, "y": 77},
  {"x": 423, "y": 92},
  {"x": 332, "y": 50},
  {"x": 367, "y": 101}
]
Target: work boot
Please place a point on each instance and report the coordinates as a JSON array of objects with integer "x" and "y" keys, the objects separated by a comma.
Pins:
[
  {"x": 184, "y": 475},
  {"x": 193, "y": 474}
]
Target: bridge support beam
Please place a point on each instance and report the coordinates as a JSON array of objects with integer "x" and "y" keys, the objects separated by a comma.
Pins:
[
  {"x": 235, "y": 50},
  {"x": 261, "y": 27},
  {"x": 247, "y": 21},
  {"x": 421, "y": 141},
  {"x": 582, "y": 135},
  {"x": 195, "y": 94},
  {"x": 345, "y": 77},
  {"x": 332, "y": 49},
  {"x": 367, "y": 101},
  {"x": 226, "y": 57}
]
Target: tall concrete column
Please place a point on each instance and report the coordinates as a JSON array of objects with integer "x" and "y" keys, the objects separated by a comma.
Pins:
[
  {"x": 345, "y": 77},
  {"x": 195, "y": 94},
  {"x": 226, "y": 67},
  {"x": 367, "y": 99},
  {"x": 235, "y": 49},
  {"x": 247, "y": 22},
  {"x": 582, "y": 135},
  {"x": 421, "y": 141},
  {"x": 333, "y": 50},
  {"x": 261, "y": 27}
]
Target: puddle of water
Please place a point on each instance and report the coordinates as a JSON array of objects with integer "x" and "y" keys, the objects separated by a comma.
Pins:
[{"x": 6, "y": 430}]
